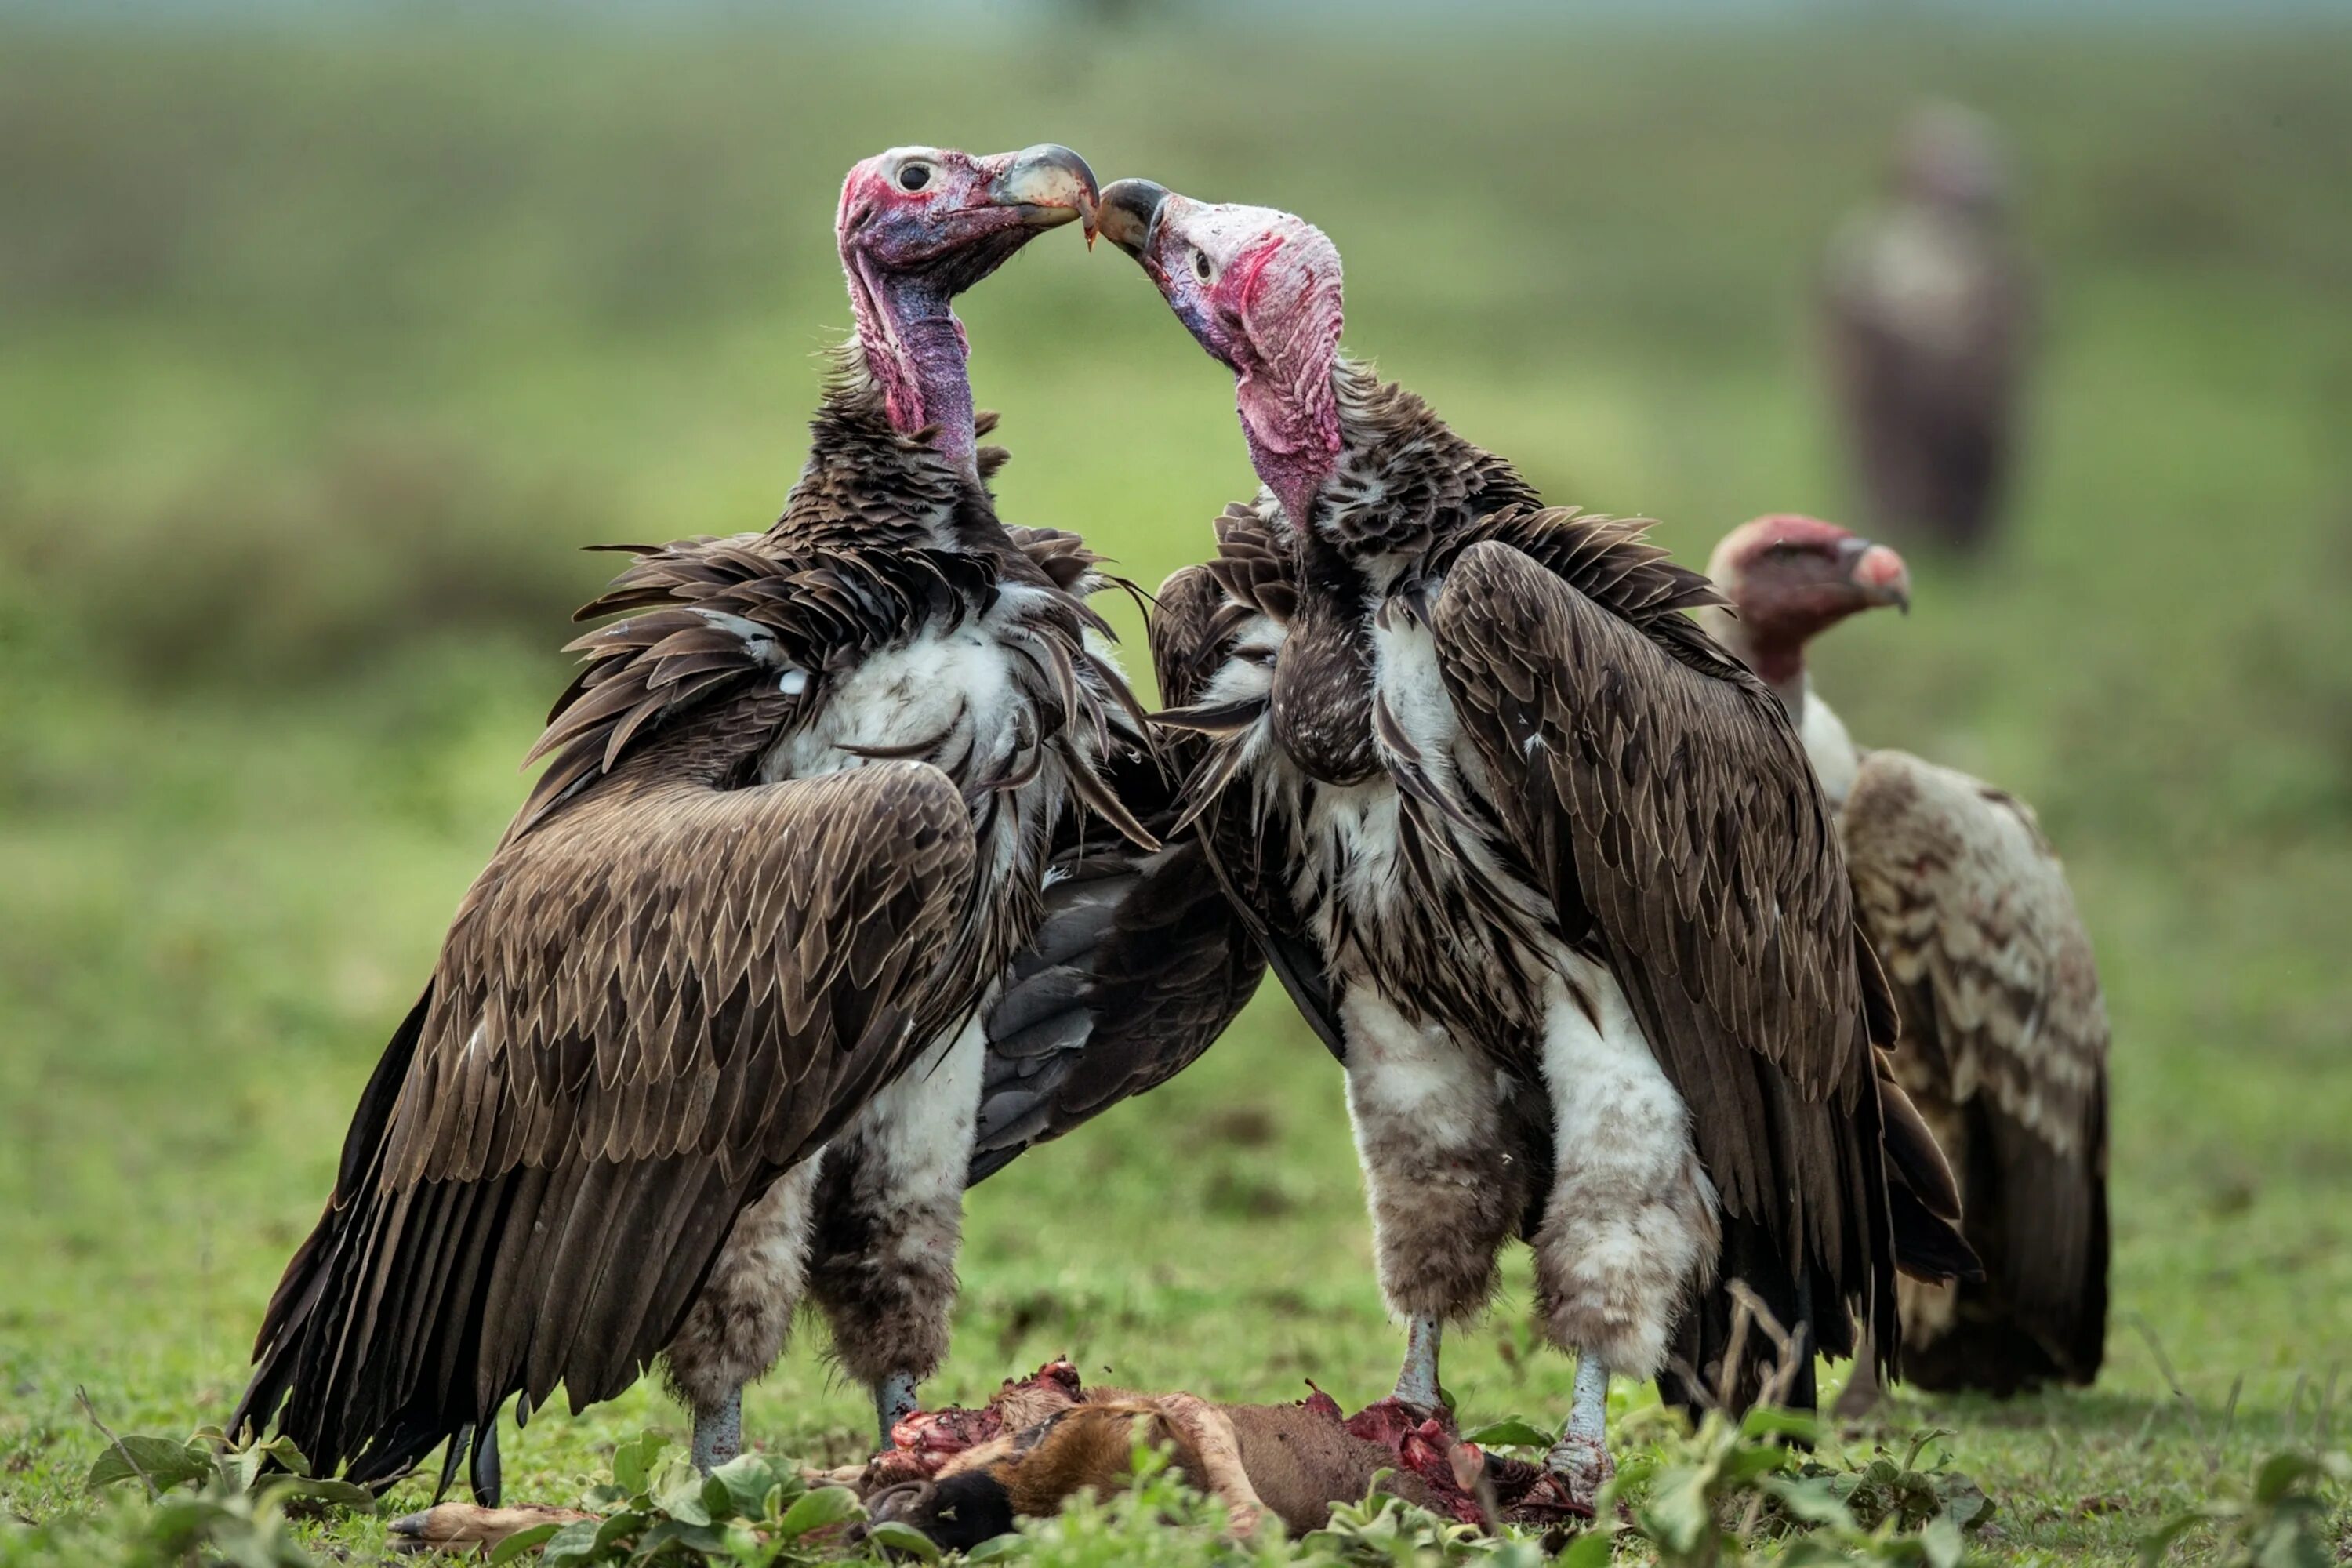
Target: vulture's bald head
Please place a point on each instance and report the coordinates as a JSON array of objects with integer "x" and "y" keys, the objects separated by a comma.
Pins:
[
  {"x": 951, "y": 218},
  {"x": 1790, "y": 577},
  {"x": 919, "y": 226},
  {"x": 1260, "y": 291}
]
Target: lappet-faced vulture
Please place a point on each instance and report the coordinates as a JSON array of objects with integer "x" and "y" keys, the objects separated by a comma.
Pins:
[
  {"x": 792, "y": 836},
  {"x": 1544, "y": 865},
  {"x": 1928, "y": 312},
  {"x": 2004, "y": 1030}
]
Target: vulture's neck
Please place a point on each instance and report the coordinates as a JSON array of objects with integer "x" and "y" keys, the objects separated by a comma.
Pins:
[
  {"x": 1293, "y": 433},
  {"x": 916, "y": 353},
  {"x": 1778, "y": 662},
  {"x": 1781, "y": 665}
]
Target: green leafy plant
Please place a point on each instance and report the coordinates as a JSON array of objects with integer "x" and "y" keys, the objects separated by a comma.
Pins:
[
  {"x": 2285, "y": 1520},
  {"x": 1733, "y": 1492},
  {"x": 1912, "y": 1491},
  {"x": 1384, "y": 1531},
  {"x": 755, "y": 1511},
  {"x": 216, "y": 1500}
]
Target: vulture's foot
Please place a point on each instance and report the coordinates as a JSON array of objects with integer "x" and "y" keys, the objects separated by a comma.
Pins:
[
  {"x": 469, "y": 1527},
  {"x": 1582, "y": 1467},
  {"x": 718, "y": 1433},
  {"x": 1580, "y": 1461},
  {"x": 1862, "y": 1395}
]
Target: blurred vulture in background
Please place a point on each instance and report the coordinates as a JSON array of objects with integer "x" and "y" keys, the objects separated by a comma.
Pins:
[
  {"x": 1543, "y": 863},
  {"x": 1929, "y": 318},
  {"x": 2004, "y": 1043},
  {"x": 707, "y": 1034}
]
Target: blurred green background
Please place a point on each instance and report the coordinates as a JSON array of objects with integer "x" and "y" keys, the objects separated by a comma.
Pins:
[{"x": 323, "y": 347}]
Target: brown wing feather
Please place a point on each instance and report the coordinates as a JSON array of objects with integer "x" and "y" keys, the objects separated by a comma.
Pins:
[
  {"x": 2005, "y": 1038},
  {"x": 649, "y": 1006},
  {"x": 1658, "y": 792},
  {"x": 1696, "y": 833},
  {"x": 1138, "y": 967},
  {"x": 1201, "y": 610}
]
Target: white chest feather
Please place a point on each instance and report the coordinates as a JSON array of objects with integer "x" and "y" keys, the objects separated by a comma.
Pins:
[
  {"x": 952, "y": 692},
  {"x": 1404, "y": 669},
  {"x": 1829, "y": 748}
]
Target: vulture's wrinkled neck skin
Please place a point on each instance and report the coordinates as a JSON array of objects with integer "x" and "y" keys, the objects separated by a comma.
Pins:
[
  {"x": 916, "y": 352},
  {"x": 1778, "y": 661},
  {"x": 1293, "y": 439}
]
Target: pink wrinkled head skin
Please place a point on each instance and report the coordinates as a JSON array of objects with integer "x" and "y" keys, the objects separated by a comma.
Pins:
[
  {"x": 1790, "y": 577},
  {"x": 1261, "y": 291},
  {"x": 916, "y": 228}
]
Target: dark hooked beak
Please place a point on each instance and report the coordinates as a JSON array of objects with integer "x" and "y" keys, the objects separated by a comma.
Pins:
[
  {"x": 1049, "y": 186},
  {"x": 1877, "y": 573},
  {"x": 1129, "y": 213}
]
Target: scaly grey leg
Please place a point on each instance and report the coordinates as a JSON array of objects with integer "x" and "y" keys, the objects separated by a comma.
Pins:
[
  {"x": 1417, "y": 1383},
  {"x": 894, "y": 1401},
  {"x": 1581, "y": 1458},
  {"x": 718, "y": 1433}
]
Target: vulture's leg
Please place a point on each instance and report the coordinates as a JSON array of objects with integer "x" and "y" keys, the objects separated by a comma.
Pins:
[
  {"x": 890, "y": 1221},
  {"x": 718, "y": 1432},
  {"x": 736, "y": 1328},
  {"x": 1630, "y": 1228},
  {"x": 1417, "y": 1383},
  {"x": 894, "y": 1399},
  {"x": 1581, "y": 1458},
  {"x": 1863, "y": 1392},
  {"x": 1444, "y": 1193}
]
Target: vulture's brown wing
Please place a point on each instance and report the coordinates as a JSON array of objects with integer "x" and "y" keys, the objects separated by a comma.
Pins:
[
  {"x": 2005, "y": 1035},
  {"x": 1140, "y": 964},
  {"x": 1674, "y": 804},
  {"x": 1659, "y": 796},
  {"x": 650, "y": 1004},
  {"x": 1203, "y": 611}
]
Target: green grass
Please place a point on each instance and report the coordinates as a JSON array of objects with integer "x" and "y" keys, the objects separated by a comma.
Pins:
[{"x": 318, "y": 356}]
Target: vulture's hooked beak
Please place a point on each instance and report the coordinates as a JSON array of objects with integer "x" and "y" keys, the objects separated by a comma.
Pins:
[
  {"x": 1878, "y": 572},
  {"x": 1129, "y": 213},
  {"x": 1049, "y": 185}
]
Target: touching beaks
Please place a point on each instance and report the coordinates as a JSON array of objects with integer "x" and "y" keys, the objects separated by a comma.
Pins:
[
  {"x": 1050, "y": 185},
  {"x": 1129, "y": 212}
]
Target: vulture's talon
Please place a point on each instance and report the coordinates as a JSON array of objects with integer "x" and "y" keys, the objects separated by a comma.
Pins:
[{"x": 1582, "y": 1467}]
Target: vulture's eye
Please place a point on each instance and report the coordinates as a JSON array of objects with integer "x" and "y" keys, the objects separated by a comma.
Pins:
[
  {"x": 1201, "y": 267},
  {"x": 914, "y": 176}
]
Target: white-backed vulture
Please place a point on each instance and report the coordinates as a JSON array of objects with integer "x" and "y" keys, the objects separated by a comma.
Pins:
[
  {"x": 1544, "y": 863},
  {"x": 2004, "y": 1043}
]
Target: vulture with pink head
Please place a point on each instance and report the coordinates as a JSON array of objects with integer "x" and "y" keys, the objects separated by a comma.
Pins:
[
  {"x": 724, "y": 1023},
  {"x": 1541, "y": 861},
  {"x": 2004, "y": 1043}
]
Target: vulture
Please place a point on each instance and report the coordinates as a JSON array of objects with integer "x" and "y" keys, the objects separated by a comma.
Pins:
[
  {"x": 1542, "y": 863},
  {"x": 2004, "y": 1045},
  {"x": 1928, "y": 306},
  {"x": 711, "y": 1030}
]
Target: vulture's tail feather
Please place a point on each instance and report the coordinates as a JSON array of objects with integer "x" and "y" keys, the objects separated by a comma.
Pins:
[
  {"x": 1928, "y": 1245},
  {"x": 1922, "y": 1198},
  {"x": 2037, "y": 1312},
  {"x": 1711, "y": 1331}
]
